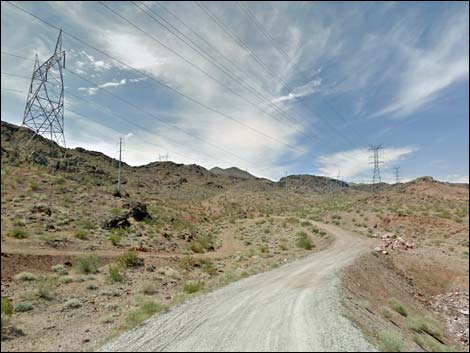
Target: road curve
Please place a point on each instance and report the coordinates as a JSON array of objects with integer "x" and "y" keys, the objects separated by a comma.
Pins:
[{"x": 293, "y": 308}]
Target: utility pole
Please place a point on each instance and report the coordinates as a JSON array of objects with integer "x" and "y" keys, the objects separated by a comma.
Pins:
[
  {"x": 376, "y": 149},
  {"x": 120, "y": 167},
  {"x": 397, "y": 174}
]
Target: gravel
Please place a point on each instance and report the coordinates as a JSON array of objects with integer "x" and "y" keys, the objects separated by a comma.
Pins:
[{"x": 293, "y": 308}]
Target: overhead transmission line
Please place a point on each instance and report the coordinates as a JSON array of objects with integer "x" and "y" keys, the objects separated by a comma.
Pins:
[
  {"x": 212, "y": 60},
  {"x": 113, "y": 115},
  {"x": 194, "y": 100},
  {"x": 140, "y": 109},
  {"x": 244, "y": 46}
]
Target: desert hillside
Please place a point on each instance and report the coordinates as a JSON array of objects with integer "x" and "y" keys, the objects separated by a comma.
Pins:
[{"x": 78, "y": 254}]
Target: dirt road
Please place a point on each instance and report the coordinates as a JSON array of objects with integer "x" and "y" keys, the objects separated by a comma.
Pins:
[{"x": 293, "y": 308}]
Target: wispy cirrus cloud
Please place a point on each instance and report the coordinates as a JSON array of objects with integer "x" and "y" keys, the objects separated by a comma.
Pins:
[{"x": 353, "y": 163}]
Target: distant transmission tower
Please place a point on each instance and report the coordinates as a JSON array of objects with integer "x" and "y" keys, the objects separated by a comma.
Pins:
[
  {"x": 376, "y": 149},
  {"x": 44, "y": 111},
  {"x": 397, "y": 174},
  {"x": 163, "y": 157}
]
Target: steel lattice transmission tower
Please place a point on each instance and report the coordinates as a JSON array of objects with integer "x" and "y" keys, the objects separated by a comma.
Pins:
[
  {"x": 44, "y": 111},
  {"x": 376, "y": 150},
  {"x": 397, "y": 174}
]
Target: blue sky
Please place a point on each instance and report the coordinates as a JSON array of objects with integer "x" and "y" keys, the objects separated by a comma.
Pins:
[{"x": 324, "y": 81}]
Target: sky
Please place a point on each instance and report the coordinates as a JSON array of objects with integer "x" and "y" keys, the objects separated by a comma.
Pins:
[{"x": 269, "y": 87}]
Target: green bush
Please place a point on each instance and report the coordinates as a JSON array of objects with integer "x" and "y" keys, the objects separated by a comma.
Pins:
[
  {"x": 115, "y": 274},
  {"x": 45, "y": 287},
  {"x": 25, "y": 277},
  {"x": 81, "y": 234},
  {"x": 18, "y": 233},
  {"x": 197, "y": 248},
  {"x": 130, "y": 259},
  {"x": 7, "y": 307},
  {"x": 390, "y": 341},
  {"x": 304, "y": 241},
  {"x": 430, "y": 344},
  {"x": 23, "y": 306},
  {"x": 115, "y": 239},
  {"x": 193, "y": 286},
  {"x": 72, "y": 304},
  {"x": 398, "y": 307},
  {"x": 87, "y": 264},
  {"x": 424, "y": 324},
  {"x": 145, "y": 310}
]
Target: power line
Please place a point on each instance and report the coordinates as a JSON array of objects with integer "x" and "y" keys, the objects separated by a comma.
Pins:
[
  {"x": 244, "y": 46},
  {"x": 194, "y": 100}
]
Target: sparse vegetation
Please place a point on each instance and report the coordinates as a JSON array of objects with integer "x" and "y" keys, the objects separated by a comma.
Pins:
[
  {"x": 25, "y": 277},
  {"x": 304, "y": 241},
  {"x": 72, "y": 304},
  {"x": 87, "y": 264},
  {"x": 130, "y": 259},
  {"x": 23, "y": 306},
  {"x": 398, "y": 307},
  {"x": 144, "y": 311},
  {"x": 390, "y": 341},
  {"x": 115, "y": 274},
  {"x": 193, "y": 286},
  {"x": 18, "y": 233},
  {"x": 424, "y": 324}
]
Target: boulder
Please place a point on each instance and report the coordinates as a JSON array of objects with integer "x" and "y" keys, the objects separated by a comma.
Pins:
[{"x": 120, "y": 221}]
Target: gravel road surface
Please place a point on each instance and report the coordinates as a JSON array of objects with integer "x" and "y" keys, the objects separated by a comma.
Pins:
[{"x": 293, "y": 308}]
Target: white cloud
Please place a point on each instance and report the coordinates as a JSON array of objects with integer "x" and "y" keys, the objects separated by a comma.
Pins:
[
  {"x": 300, "y": 91},
  {"x": 354, "y": 162},
  {"x": 428, "y": 71},
  {"x": 456, "y": 178}
]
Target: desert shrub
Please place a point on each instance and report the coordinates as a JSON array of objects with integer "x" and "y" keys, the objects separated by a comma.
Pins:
[
  {"x": 208, "y": 267},
  {"x": 91, "y": 286},
  {"x": 18, "y": 233},
  {"x": 45, "y": 287},
  {"x": 115, "y": 274},
  {"x": 148, "y": 288},
  {"x": 145, "y": 310},
  {"x": 187, "y": 262},
  {"x": 7, "y": 311},
  {"x": 398, "y": 307},
  {"x": 304, "y": 241},
  {"x": 72, "y": 304},
  {"x": 25, "y": 277},
  {"x": 66, "y": 279},
  {"x": 193, "y": 286},
  {"x": 130, "y": 259},
  {"x": 7, "y": 307},
  {"x": 80, "y": 234},
  {"x": 115, "y": 239},
  {"x": 305, "y": 224},
  {"x": 34, "y": 186},
  {"x": 23, "y": 306},
  {"x": 386, "y": 312},
  {"x": 87, "y": 264},
  {"x": 197, "y": 248},
  {"x": 390, "y": 341},
  {"x": 430, "y": 344},
  {"x": 424, "y": 324},
  {"x": 59, "y": 269}
]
